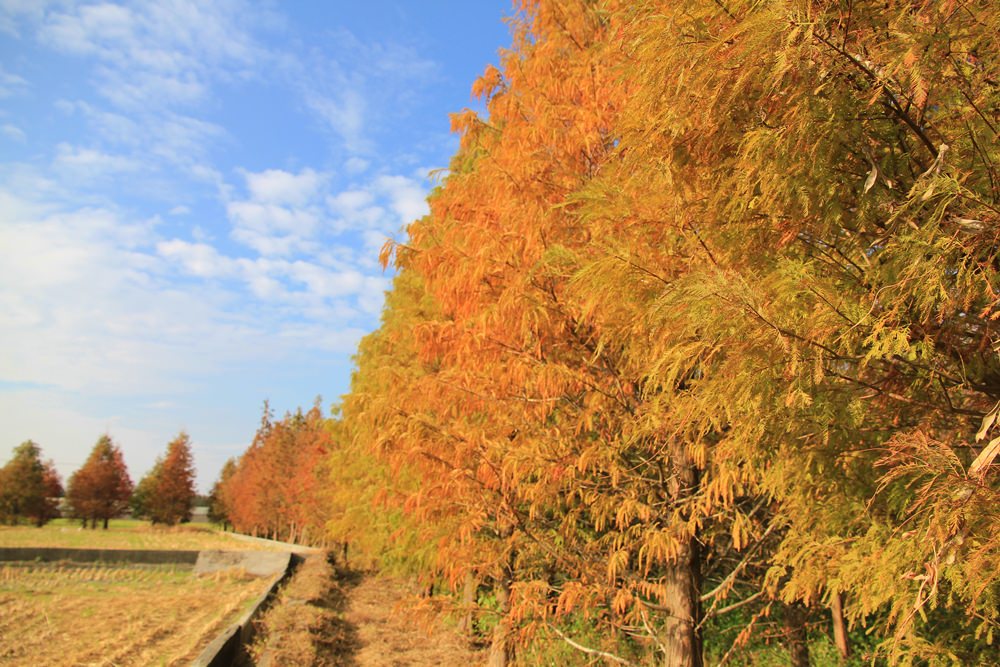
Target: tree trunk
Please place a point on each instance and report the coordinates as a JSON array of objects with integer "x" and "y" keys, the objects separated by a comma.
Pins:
[
  {"x": 839, "y": 625},
  {"x": 467, "y": 623},
  {"x": 501, "y": 648},
  {"x": 681, "y": 635},
  {"x": 796, "y": 638},
  {"x": 105, "y": 523}
]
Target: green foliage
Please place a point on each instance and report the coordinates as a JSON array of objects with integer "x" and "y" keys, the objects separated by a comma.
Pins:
[
  {"x": 142, "y": 496},
  {"x": 218, "y": 509}
]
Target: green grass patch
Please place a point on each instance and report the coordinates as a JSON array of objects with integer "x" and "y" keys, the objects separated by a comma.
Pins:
[{"x": 124, "y": 534}]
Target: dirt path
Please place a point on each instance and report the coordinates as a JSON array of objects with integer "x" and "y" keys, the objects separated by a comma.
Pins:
[
  {"x": 368, "y": 629},
  {"x": 328, "y": 616},
  {"x": 385, "y": 637}
]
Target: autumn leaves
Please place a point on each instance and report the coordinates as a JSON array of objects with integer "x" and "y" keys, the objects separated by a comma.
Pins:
[{"x": 692, "y": 350}]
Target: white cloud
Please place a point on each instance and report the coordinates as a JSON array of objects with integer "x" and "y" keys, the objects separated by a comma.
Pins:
[
  {"x": 373, "y": 294},
  {"x": 91, "y": 161},
  {"x": 275, "y": 186},
  {"x": 181, "y": 140},
  {"x": 356, "y": 210},
  {"x": 353, "y": 92},
  {"x": 154, "y": 139},
  {"x": 373, "y": 242},
  {"x": 264, "y": 218},
  {"x": 299, "y": 283},
  {"x": 10, "y": 84},
  {"x": 197, "y": 259},
  {"x": 350, "y": 201},
  {"x": 356, "y": 165},
  {"x": 408, "y": 198},
  {"x": 96, "y": 338},
  {"x": 14, "y": 12},
  {"x": 126, "y": 325},
  {"x": 13, "y": 133},
  {"x": 327, "y": 339},
  {"x": 269, "y": 244},
  {"x": 324, "y": 283},
  {"x": 110, "y": 126},
  {"x": 368, "y": 208},
  {"x": 284, "y": 216},
  {"x": 149, "y": 315},
  {"x": 272, "y": 230},
  {"x": 160, "y": 54},
  {"x": 91, "y": 29},
  {"x": 345, "y": 114},
  {"x": 122, "y": 90},
  {"x": 281, "y": 214}
]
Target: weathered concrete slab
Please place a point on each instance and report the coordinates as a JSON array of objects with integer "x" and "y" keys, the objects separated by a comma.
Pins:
[
  {"x": 277, "y": 545},
  {"x": 56, "y": 554},
  {"x": 256, "y": 563},
  {"x": 230, "y": 646}
]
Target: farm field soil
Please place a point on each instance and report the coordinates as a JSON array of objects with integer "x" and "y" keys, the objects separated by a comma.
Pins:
[
  {"x": 59, "y": 614},
  {"x": 124, "y": 534}
]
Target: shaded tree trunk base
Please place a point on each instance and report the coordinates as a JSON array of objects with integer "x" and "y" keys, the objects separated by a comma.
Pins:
[{"x": 796, "y": 637}]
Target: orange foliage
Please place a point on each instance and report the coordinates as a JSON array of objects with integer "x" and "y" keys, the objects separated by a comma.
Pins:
[
  {"x": 275, "y": 489},
  {"x": 101, "y": 488}
]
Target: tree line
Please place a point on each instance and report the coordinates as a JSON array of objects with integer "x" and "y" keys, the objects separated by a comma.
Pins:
[
  {"x": 276, "y": 488},
  {"x": 101, "y": 489},
  {"x": 695, "y": 358}
]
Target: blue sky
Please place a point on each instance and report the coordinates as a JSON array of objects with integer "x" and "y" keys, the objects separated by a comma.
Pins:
[{"x": 192, "y": 199}]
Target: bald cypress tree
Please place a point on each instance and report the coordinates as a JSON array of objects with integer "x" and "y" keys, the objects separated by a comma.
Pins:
[
  {"x": 172, "y": 490},
  {"x": 701, "y": 331},
  {"x": 101, "y": 488},
  {"x": 29, "y": 487}
]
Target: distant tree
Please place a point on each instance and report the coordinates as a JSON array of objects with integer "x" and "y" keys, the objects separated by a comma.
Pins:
[
  {"x": 145, "y": 490},
  {"x": 276, "y": 489},
  {"x": 29, "y": 487},
  {"x": 53, "y": 490},
  {"x": 218, "y": 509},
  {"x": 101, "y": 488},
  {"x": 174, "y": 492}
]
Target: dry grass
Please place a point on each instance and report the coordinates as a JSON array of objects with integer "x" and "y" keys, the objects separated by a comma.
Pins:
[
  {"x": 326, "y": 616},
  {"x": 123, "y": 534},
  {"x": 98, "y": 615},
  {"x": 389, "y": 634},
  {"x": 305, "y": 610}
]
